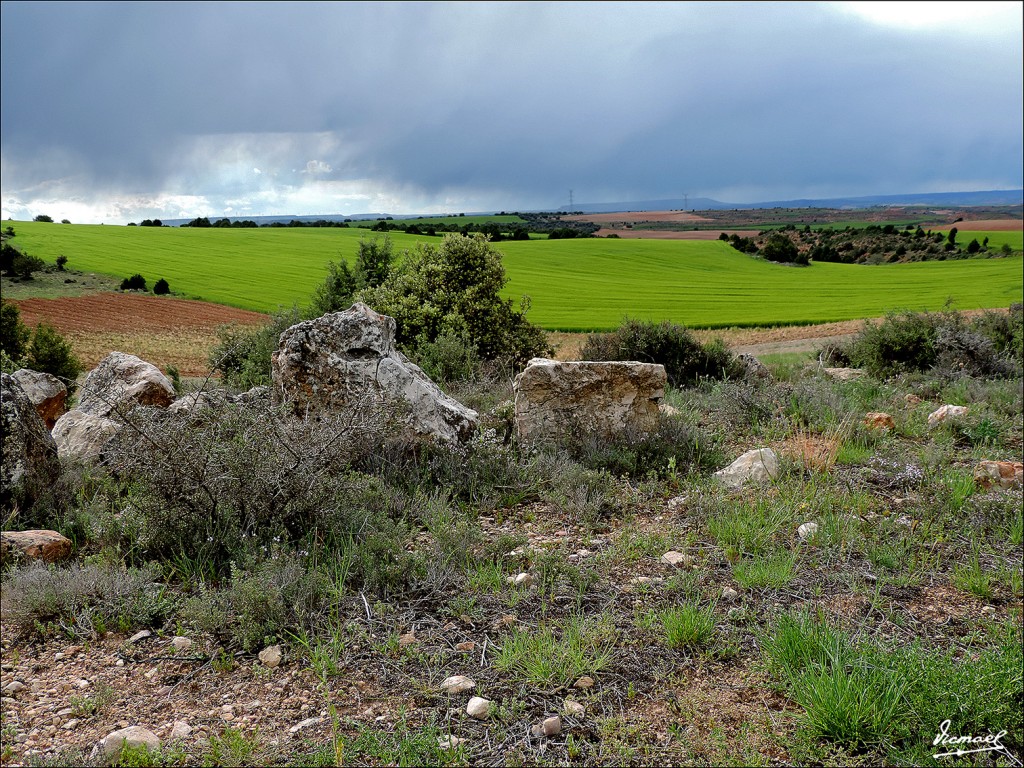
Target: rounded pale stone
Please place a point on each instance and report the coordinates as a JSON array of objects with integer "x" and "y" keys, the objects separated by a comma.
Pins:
[
  {"x": 457, "y": 684},
  {"x": 478, "y": 707}
]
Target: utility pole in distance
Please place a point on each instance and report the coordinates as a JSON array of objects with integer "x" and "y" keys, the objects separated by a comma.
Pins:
[{"x": 570, "y": 201}]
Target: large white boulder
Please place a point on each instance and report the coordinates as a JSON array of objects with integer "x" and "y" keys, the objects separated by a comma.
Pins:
[
  {"x": 82, "y": 436},
  {"x": 120, "y": 382},
  {"x": 555, "y": 400},
  {"x": 347, "y": 362}
]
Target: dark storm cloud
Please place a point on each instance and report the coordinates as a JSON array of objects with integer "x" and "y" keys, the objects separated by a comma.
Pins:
[{"x": 259, "y": 105}]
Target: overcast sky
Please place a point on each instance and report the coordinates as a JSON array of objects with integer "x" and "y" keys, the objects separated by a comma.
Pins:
[{"x": 115, "y": 112}]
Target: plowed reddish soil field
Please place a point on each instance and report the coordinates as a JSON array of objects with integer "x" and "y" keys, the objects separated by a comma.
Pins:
[
  {"x": 672, "y": 234},
  {"x": 985, "y": 225},
  {"x": 161, "y": 330},
  {"x": 635, "y": 216}
]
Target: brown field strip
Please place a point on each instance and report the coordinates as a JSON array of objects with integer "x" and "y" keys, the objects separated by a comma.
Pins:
[{"x": 162, "y": 330}]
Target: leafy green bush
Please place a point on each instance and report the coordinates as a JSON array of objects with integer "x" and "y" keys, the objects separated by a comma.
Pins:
[
  {"x": 14, "y": 334},
  {"x": 373, "y": 264},
  {"x": 45, "y": 350},
  {"x": 783, "y": 250},
  {"x": 449, "y": 358},
  {"x": 24, "y": 265},
  {"x": 454, "y": 288},
  {"x": 686, "y": 360},
  {"x": 161, "y": 287},
  {"x": 49, "y": 352},
  {"x": 242, "y": 355}
]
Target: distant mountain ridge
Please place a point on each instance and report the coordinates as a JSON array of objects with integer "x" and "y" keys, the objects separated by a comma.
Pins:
[
  {"x": 990, "y": 197},
  {"x": 930, "y": 199}
]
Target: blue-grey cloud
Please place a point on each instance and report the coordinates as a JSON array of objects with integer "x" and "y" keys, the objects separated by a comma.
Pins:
[{"x": 344, "y": 107}]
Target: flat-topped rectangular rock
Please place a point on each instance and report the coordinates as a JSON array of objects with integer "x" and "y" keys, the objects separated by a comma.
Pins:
[{"x": 556, "y": 400}]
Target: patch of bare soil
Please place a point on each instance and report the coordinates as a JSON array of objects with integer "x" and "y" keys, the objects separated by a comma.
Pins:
[
  {"x": 666, "y": 234},
  {"x": 985, "y": 225},
  {"x": 638, "y": 216},
  {"x": 77, "y": 694},
  {"x": 162, "y": 330}
]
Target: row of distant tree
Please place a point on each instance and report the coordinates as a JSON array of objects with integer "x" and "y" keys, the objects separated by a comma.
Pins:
[{"x": 874, "y": 244}]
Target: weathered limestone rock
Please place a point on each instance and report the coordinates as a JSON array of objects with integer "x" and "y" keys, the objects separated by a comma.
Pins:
[
  {"x": 48, "y": 546},
  {"x": 347, "y": 361},
  {"x": 28, "y": 451},
  {"x": 121, "y": 382},
  {"x": 844, "y": 374},
  {"x": 877, "y": 420},
  {"x": 47, "y": 393},
  {"x": 1001, "y": 474},
  {"x": 195, "y": 403},
  {"x": 944, "y": 413},
  {"x": 754, "y": 466},
  {"x": 82, "y": 436},
  {"x": 754, "y": 369},
  {"x": 133, "y": 736},
  {"x": 554, "y": 400}
]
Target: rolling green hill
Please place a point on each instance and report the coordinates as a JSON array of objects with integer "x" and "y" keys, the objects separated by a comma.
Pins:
[{"x": 588, "y": 284}]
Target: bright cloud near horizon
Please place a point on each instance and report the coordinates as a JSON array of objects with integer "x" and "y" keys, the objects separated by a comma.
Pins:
[{"x": 115, "y": 112}]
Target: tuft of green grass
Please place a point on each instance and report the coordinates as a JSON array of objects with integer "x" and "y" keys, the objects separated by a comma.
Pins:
[
  {"x": 552, "y": 656},
  {"x": 688, "y": 626},
  {"x": 862, "y": 693},
  {"x": 971, "y": 577},
  {"x": 772, "y": 571}
]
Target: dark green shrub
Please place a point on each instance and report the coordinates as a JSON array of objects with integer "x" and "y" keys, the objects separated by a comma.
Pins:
[
  {"x": 902, "y": 342},
  {"x": 686, "y": 360},
  {"x": 14, "y": 334},
  {"x": 783, "y": 250},
  {"x": 49, "y": 352},
  {"x": 134, "y": 283},
  {"x": 242, "y": 355},
  {"x": 7, "y": 255},
  {"x": 24, "y": 265},
  {"x": 373, "y": 264},
  {"x": 161, "y": 287},
  {"x": 945, "y": 343},
  {"x": 62, "y": 262}
]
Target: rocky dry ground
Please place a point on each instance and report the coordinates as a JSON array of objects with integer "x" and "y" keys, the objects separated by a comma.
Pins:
[{"x": 63, "y": 697}]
